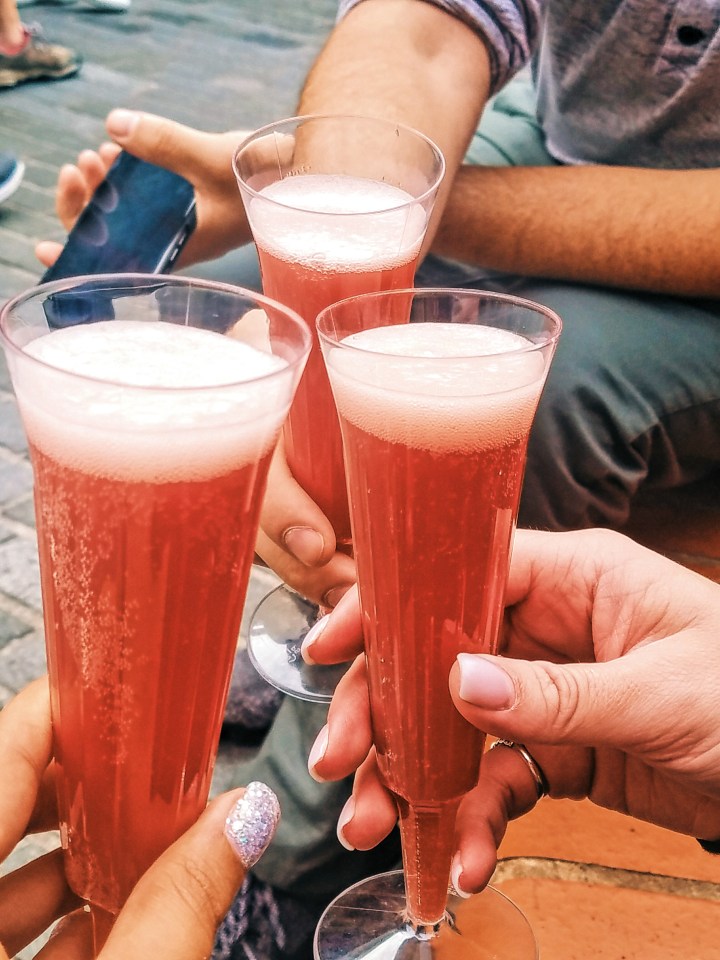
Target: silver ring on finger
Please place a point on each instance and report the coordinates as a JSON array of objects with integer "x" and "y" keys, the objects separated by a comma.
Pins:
[{"x": 536, "y": 771}]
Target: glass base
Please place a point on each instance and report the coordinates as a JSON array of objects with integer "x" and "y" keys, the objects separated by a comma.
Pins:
[
  {"x": 366, "y": 922},
  {"x": 277, "y": 630}
]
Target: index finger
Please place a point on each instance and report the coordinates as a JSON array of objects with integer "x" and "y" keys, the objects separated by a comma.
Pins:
[{"x": 338, "y": 636}]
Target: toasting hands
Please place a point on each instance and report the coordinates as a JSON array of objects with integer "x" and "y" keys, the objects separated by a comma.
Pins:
[{"x": 608, "y": 676}]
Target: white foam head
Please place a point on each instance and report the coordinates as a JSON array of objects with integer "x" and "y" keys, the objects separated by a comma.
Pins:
[
  {"x": 444, "y": 387},
  {"x": 150, "y": 401},
  {"x": 338, "y": 222}
]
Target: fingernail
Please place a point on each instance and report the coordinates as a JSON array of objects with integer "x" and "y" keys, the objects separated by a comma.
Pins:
[
  {"x": 121, "y": 123},
  {"x": 346, "y": 815},
  {"x": 318, "y": 752},
  {"x": 334, "y": 595},
  {"x": 252, "y": 822},
  {"x": 484, "y": 684},
  {"x": 304, "y": 543},
  {"x": 310, "y": 637},
  {"x": 455, "y": 872}
]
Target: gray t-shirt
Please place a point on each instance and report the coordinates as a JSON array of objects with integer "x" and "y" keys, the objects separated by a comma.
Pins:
[{"x": 625, "y": 82}]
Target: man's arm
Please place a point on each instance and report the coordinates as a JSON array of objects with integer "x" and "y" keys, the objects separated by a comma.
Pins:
[
  {"x": 406, "y": 61},
  {"x": 617, "y": 226}
]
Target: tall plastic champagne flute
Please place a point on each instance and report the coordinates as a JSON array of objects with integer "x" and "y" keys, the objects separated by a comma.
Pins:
[
  {"x": 150, "y": 426},
  {"x": 338, "y": 206},
  {"x": 436, "y": 392}
]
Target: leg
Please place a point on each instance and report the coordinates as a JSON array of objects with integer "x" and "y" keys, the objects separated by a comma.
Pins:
[
  {"x": 239, "y": 267},
  {"x": 305, "y": 866},
  {"x": 633, "y": 398},
  {"x": 633, "y": 394}
]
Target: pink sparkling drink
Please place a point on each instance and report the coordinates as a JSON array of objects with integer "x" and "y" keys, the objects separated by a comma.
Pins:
[
  {"x": 150, "y": 443},
  {"x": 330, "y": 228},
  {"x": 435, "y": 420}
]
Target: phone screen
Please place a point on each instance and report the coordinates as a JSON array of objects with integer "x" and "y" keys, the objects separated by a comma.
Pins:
[{"x": 137, "y": 221}]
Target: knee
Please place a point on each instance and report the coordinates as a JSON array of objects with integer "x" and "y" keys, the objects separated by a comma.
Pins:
[{"x": 583, "y": 466}]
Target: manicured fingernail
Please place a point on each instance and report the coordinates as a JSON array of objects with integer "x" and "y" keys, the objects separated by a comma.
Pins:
[
  {"x": 304, "y": 543},
  {"x": 252, "y": 822},
  {"x": 346, "y": 815},
  {"x": 484, "y": 684},
  {"x": 455, "y": 874},
  {"x": 122, "y": 123},
  {"x": 310, "y": 637},
  {"x": 318, "y": 752}
]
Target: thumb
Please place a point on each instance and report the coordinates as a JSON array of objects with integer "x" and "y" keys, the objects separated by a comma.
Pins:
[
  {"x": 613, "y": 704},
  {"x": 176, "y": 907},
  {"x": 158, "y": 140}
]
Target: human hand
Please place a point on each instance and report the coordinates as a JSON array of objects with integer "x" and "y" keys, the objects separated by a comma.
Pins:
[
  {"x": 205, "y": 159},
  {"x": 297, "y": 541},
  {"x": 608, "y": 677},
  {"x": 177, "y": 905}
]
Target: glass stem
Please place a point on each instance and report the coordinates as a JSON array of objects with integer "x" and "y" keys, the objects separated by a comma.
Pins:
[
  {"x": 102, "y": 923},
  {"x": 428, "y": 843}
]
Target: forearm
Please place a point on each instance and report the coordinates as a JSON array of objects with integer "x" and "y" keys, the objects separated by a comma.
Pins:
[
  {"x": 409, "y": 62},
  {"x": 640, "y": 229}
]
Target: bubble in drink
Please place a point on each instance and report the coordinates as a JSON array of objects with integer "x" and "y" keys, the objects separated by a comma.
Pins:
[
  {"x": 149, "y": 469},
  {"x": 338, "y": 223},
  {"x": 438, "y": 386},
  {"x": 322, "y": 238},
  {"x": 103, "y": 422}
]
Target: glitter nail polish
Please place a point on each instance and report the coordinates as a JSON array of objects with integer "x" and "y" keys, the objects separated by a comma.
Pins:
[{"x": 251, "y": 823}]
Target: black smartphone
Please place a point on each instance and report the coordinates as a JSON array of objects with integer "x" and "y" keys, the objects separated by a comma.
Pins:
[{"x": 137, "y": 221}]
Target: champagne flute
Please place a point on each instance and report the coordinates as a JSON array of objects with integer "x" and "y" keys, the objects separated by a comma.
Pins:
[
  {"x": 150, "y": 435},
  {"x": 436, "y": 391},
  {"x": 338, "y": 205}
]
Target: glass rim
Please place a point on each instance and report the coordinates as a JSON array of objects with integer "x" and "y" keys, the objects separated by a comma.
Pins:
[
  {"x": 150, "y": 283},
  {"x": 304, "y": 118},
  {"x": 475, "y": 294}
]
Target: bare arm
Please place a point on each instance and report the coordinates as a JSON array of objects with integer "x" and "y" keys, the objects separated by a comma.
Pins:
[
  {"x": 617, "y": 226},
  {"x": 407, "y": 61}
]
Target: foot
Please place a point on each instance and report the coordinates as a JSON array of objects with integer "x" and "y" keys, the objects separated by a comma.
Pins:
[
  {"x": 11, "y": 174},
  {"x": 36, "y": 60}
]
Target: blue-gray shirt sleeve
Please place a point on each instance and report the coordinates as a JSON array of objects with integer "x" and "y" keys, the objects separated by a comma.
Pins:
[{"x": 510, "y": 30}]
